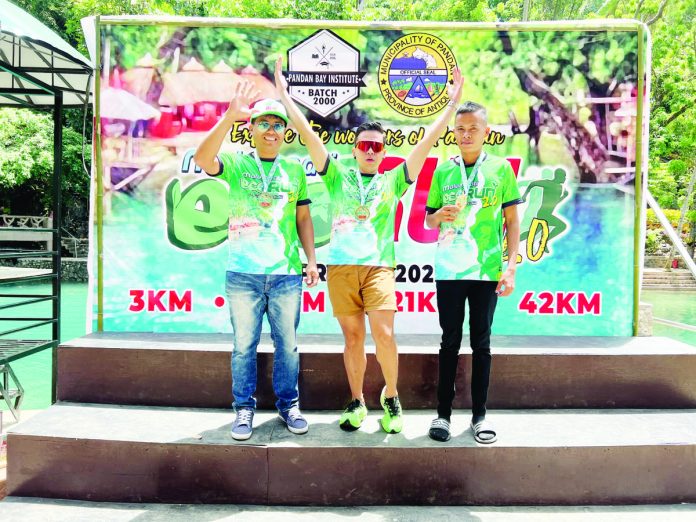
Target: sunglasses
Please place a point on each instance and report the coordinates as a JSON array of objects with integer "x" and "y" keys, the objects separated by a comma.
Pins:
[
  {"x": 263, "y": 126},
  {"x": 365, "y": 145}
]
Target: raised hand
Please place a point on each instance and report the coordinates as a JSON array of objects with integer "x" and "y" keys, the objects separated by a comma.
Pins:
[
  {"x": 280, "y": 81},
  {"x": 454, "y": 90},
  {"x": 244, "y": 94}
]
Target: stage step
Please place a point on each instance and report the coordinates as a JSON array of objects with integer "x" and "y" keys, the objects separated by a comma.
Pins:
[
  {"x": 193, "y": 370},
  {"x": 543, "y": 457},
  {"x": 19, "y": 509}
]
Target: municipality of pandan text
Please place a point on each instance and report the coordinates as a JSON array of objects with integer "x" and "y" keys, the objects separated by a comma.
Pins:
[{"x": 409, "y": 41}]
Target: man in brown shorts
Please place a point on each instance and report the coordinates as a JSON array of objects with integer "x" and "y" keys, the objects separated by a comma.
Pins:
[{"x": 361, "y": 253}]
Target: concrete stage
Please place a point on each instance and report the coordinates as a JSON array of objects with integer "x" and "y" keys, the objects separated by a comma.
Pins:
[{"x": 145, "y": 418}]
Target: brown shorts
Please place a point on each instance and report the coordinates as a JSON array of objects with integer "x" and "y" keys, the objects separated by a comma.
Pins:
[{"x": 354, "y": 289}]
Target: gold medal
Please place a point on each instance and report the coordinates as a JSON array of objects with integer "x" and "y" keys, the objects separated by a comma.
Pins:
[
  {"x": 362, "y": 213},
  {"x": 265, "y": 199}
]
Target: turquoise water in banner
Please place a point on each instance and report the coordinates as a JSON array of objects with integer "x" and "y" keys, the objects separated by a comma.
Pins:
[
  {"x": 595, "y": 255},
  {"x": 139, "y": 256}
]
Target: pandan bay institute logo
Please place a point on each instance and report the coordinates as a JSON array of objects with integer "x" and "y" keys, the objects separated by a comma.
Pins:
[
  {"x": 324, "y": 72},
  {"x": 414, "y": 73}
]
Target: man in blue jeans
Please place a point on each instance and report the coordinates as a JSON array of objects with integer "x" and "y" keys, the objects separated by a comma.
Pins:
[{"x": 268, "y": 219}]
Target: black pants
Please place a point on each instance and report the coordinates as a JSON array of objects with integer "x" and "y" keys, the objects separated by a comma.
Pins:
[{"x": 482, "y": 298}]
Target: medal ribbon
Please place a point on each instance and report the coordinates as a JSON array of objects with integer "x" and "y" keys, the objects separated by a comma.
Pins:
[
  {"x": 267, "y": 180},
  {"x": 466, "y": 181},
  {"x": 361, "y": 188}
]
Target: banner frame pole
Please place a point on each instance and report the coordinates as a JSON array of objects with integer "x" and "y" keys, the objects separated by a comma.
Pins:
[
  {"x": 626, "y": 25},
  {"x": 621, "y": 25},
  {"x": 100, "y": 181},
  {"x": 639, "y": 178}
]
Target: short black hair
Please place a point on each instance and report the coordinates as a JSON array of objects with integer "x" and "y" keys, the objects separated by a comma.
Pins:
[
  {"x": 469, "y": 107},
  {"x": 368, "y": 126}
]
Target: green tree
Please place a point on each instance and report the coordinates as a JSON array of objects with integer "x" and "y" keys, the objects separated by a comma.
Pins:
[{"x": 26, "y": 169}]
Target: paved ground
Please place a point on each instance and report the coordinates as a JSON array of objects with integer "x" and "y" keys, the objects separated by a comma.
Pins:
[{"x": 40, "y": 510}]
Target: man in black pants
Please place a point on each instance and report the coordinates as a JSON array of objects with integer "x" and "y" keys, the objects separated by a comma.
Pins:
[{"x": 471, "y": 197}]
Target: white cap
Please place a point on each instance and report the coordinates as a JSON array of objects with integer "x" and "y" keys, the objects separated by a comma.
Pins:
[{"x": 269, "y": 106}]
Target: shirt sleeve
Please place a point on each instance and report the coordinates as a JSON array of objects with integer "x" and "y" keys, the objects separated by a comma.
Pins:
[
  {"x": 434, "y": 201},
  {"x": 302, "y": 197},
  {"x": 401, "y": 181},
  {"x": 227, "y": 163},
  {"x": 511, "y": 192},
  {"x": 330, "y": 172}
]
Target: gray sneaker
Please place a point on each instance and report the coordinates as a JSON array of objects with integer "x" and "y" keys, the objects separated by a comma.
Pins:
[
  {"x": 294, "y": 420},
  {"x": 243, "y": 424}
]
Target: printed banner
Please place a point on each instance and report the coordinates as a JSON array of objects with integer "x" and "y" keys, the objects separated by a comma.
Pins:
[{"x": 562, "y": 106}]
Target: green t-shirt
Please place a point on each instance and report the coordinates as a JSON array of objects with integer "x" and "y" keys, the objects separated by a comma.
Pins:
[
  {"x": 471, "y": 247},
  {"x": 362, "y": 231},
  {"x": 262, "y": 229}
]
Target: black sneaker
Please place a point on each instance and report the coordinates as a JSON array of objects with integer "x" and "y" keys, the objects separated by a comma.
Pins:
[
  {"x": 393, "y": 420},
  {"x": 353, "y": 416},
  {"x": 440, "y": 430}
]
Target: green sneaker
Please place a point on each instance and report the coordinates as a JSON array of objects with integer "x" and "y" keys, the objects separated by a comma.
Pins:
[
  {"x": 353, "y": 416},
  {"x": 393, "y": 419}
]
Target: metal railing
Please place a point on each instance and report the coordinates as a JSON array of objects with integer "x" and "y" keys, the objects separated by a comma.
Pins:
[
  {"x": 672, "y": 234},
  {"x": 18, "y": 332}
]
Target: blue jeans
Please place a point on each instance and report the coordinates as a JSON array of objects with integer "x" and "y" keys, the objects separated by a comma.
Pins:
[{"x": 250, "y": 296}]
